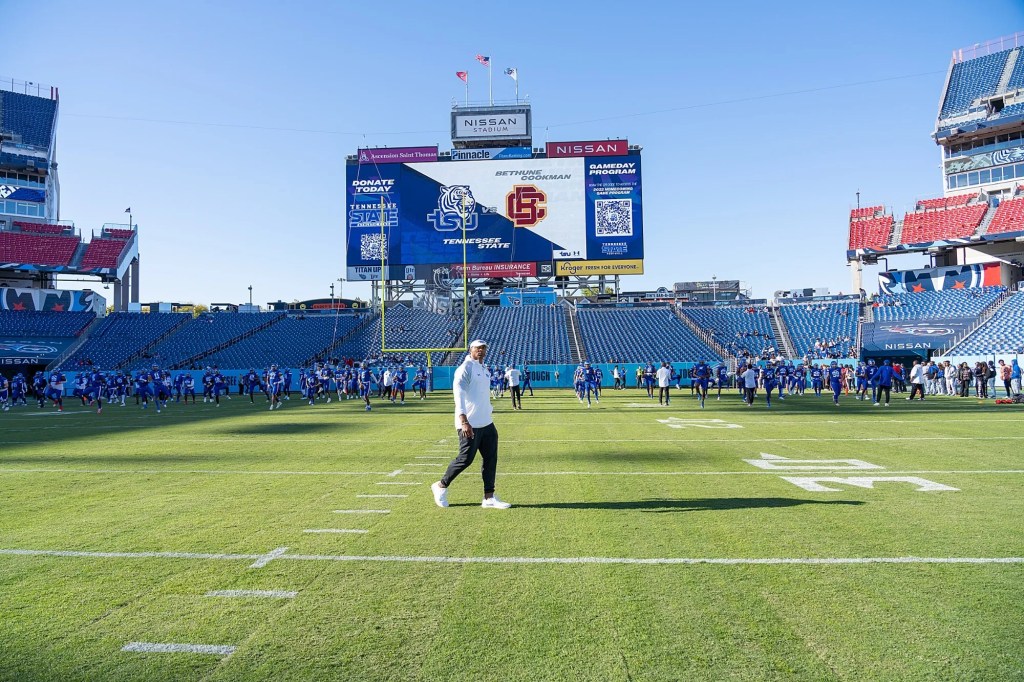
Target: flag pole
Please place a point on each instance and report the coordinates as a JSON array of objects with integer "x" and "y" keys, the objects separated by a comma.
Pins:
[
  {"x": 490, "y": 94},
  {"x": 467, "y": 88}
]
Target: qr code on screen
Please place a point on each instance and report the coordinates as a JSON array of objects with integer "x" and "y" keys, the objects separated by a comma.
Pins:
[
  {"x": 613, "y": 217},
  {"x": 370, "y": 247}
]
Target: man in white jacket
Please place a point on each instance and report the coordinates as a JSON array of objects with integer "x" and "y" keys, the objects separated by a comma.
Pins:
[{"x": 916, "y": 380}]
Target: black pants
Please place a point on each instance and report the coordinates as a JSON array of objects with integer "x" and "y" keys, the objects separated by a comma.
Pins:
[
  {"x": 883, "y": 390},
  {"x": 485, "y": 439},
  {"x": 748, "y": 395},
  {"x": 915, "y": 389},
  {"x": 517, "y": 397},
  {"x": 663, "y": 394}
]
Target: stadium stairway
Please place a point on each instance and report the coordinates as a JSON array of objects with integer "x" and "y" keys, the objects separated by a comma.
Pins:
[
  {"x": 897, "y": 232},
  {"x": 332, "y": 349},
  {"x": 187, "y": 362},
  {"x": 986, "y": 221},
  {"x": 703, "y": 335},
  {"x": 576, "y": 347},
  {"x": 1004, "y": 79},
  {"x": 76, "y": 258},
  {"x": 70, "y": 350},
  {"x": 149, "y": 346},
  {"x": 984, "y": 316},
  {"x": 781, "y": 333}
]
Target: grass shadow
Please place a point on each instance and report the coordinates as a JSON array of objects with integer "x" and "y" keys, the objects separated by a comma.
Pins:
[{"x": 665, "y": 505}]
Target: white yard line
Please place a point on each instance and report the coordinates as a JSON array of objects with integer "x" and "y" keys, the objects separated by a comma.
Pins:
[
  {"x": 153, "y": 647},
  {"x": 335, "y": 530},
  {"x": 268, "y": 557},
  {"x": 189, "y": 472},
  {"x": 264, "y": 594},
  {"x": 726, "y": 561}
]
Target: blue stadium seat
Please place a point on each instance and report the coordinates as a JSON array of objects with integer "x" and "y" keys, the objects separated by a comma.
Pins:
[
  {"x": 30, "y": 117},
  {"x": 832, "y": 326},
  {"x": 972, "y": 79},
  {"x": 34, "y": 324},
  {"x": 739, "y": 328},
  {"x": 639, "y": 335},
  {"x": 121, "y": 335},
  {"x": 533, "y": 334},
  {"x": 288, "y": 343},
  {"x": 932, "y": 305},
  {"x": 201, "y": 335},
  {"x": 1002, "y": 333},
  {"x": 404, "y": 328}
]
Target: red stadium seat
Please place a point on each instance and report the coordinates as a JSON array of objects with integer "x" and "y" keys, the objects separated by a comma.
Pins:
[
  {"x": 871, "y": 233},
  {"x": 102, "y": 253},
  {"x": 951, "y": 223},
  {"x": 1009, "y": 217},
  {"x": 31, "y": 249}
]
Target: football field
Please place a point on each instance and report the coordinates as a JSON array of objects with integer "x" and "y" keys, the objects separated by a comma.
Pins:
[{"x": 804, "y": 542}]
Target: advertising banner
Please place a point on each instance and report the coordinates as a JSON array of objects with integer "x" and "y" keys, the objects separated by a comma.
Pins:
[
  {"x": 514, "y": 212},
  {"x": 478, "y": 270},
  {"x": 398, "y": 155},
  {"x": 940, "y": 279},
  {"x": 487, "y": 126},
  {"x": 491, "y": 153},
  {"x": 599, "y": 267},
  {"x": 31, "y": 352},
  {"x": 22, "y": 193},
  {"x": 591, "y": 148},
  {"x": 51, "y": 300},
  {"x": 910, "y": 336},
  {"x": 521, "y": 297}
]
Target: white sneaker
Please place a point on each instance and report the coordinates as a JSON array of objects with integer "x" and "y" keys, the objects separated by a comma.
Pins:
[
  {"x": 440, "y": 494},
  {"x": 493, "y": 503}
]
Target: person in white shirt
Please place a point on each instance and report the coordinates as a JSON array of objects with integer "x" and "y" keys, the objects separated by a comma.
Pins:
[
  {"x": 513, "y": 376},
  {"x": 473, "y": 422},
  {"x": 749, "y": 385},
  {"x": 664, "y": 377},
  {"x": 916, "y": 380},
  {"x": 388, "y": 380}
]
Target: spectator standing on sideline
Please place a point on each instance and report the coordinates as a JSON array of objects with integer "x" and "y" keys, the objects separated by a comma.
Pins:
[
  {"x": 664, "y": 376},
  {"x": 916, "y": 380},
  {"x": 1014, "y": 376},
  {"x": 513, "y": 375},
  {"x": 471, "y": 389},
  {"x": 1004, "y": 376}
]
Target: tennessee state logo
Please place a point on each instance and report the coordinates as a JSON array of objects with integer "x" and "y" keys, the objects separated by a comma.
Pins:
[{"x": 526, "y": 205}]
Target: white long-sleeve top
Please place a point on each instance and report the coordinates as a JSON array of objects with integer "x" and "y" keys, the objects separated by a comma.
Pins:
[{"x": 472, "y": 389}]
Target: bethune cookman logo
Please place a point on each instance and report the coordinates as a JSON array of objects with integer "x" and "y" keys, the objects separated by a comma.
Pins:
[{"x": 526, "y": 205}]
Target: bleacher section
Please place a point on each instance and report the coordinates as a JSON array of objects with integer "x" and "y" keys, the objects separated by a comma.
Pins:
[
  {"x": 870, "y": 233},
  {"x": 37, "y": 249},
  {"x": 102, "y": 253},
  {"x": 866, "y": 212},
  {"x": 738, "y": 328},
  {"x": 832, "y": 326},
  {"x": 945, "y": 202},
  {"x": 1009, "y": 217},
  {"x": 35, "y": 324},
  {"x": 120, "y": 336},
  {"x": 935, "y": 225},
  {"x": 201, "y": 335},
  {"x": 289, "y": 343},
  {"x": 972, "y": 79},
  {"x": 639, "y": 335},
  {"x": 529, "y": 334},
  {"x": 927, "y": 305},
  {"x": 1002, "y": 333},
  {"x": 405, "y": 328},
  {"x": 29, "y": 117},
  {"x": 43, "y": 228}
]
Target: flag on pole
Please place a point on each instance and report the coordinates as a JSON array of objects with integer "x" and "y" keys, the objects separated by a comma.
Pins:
[
  {"x": 512, "y": 73},
  {"x": 128, "y": 210},
  {"x": 463, "y": 76},
  {"x": 486, "y": 61}
]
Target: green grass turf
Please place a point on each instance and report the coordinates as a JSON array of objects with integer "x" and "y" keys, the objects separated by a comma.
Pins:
[{"x": 212, "y": 480}]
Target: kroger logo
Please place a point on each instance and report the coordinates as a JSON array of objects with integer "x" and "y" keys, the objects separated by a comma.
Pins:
[{"x": 454, "y": 202}]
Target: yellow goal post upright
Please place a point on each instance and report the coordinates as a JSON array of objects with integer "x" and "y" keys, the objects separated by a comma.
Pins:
[{"x": 383, "y": 293}]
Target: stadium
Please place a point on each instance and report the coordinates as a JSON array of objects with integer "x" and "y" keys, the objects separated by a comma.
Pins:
[{"x": 283, "y": 527}]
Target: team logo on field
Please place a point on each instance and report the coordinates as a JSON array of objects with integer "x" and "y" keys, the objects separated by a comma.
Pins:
[
  {"x": 455, "y": 204},
  {"x": 919, "y": 330},
  {"x": 526, "y": 205}
]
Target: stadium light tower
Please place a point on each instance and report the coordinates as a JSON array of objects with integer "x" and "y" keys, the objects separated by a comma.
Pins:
[
  {"x": 250, "y": 296},
  {"x": 714, "y": 288}
]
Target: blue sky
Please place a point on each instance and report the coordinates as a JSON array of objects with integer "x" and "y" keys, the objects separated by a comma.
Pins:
[{"x": 225, "y": 125}]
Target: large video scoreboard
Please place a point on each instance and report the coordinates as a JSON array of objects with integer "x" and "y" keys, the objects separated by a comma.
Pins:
[{"x": 576, "y": 210}]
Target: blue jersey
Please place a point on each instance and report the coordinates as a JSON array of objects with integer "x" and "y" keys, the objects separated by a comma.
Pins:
[
  {"x": 768, "y": 375},
  {"x": 816, "y": 374},
  {"x": 835, "y": 374},
  {"x": 702, "y": 372}
]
